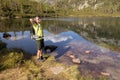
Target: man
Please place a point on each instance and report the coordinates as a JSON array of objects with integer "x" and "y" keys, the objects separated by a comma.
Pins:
[{"x": 38, "y": 36}]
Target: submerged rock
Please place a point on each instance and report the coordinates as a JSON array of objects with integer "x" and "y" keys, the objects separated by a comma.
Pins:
[
  {"x": 50, "y": 48},
  {"x": 73, "y": 57},
  {"x": 76, "y": 60},
  {"x": 87, "y": 52},
  {"x": 105, "y": 74},
  {"x": 70, "y": 54},
  {"x": 6, "y": 35}
]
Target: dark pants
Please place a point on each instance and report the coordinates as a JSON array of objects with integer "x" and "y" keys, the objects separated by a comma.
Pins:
[{"x": 40, "y": 44}]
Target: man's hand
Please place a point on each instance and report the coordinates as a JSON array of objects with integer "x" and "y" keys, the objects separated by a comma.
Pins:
[{"x": 31, "y": 20}]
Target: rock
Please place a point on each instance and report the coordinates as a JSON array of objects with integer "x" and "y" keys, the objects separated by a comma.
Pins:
[
  {"x": 50, "y": 48},
  {"x": 6, "y": 35},
  {"x": 76, "y": 60},
  {"x": 87, "y": 52},
  {"x": 105, "y": 74},
  {"x": 72, "y": 56},
  {"x": 69, "y": 54}
]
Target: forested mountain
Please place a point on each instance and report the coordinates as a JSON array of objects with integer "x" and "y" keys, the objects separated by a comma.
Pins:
[{"x": 26, "y": 8}]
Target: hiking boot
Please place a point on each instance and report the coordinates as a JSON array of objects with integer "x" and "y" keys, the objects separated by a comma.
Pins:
[{"x": 41, "y": 59}]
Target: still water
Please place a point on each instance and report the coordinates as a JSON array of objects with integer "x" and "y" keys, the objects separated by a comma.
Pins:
[{"x": 63, "y": 31}]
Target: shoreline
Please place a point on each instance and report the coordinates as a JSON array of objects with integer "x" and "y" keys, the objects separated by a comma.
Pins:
[{"x": 16, "y": 17}]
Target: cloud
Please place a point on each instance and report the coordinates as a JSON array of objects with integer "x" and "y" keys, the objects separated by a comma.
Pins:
[{"x": 57, "y": 38}]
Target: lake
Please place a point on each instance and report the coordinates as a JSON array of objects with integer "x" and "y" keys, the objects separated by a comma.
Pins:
[
  {"x": 99, "y": 35},
  {"x": 60, "y": 31}
]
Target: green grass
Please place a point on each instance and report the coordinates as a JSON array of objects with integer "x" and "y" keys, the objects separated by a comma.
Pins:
[{"x": 10, "y": 58}]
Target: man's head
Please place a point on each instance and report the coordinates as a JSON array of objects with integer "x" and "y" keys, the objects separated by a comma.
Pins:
[{"x": 37, "y": 19}]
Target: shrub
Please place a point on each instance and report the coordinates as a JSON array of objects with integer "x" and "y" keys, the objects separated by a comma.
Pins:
[
  {"x": 2, "y": 45},
  {"x": 10, "y": 58}
]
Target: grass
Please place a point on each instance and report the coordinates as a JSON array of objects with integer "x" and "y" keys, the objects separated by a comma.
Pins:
[{"x": 10, "y": 58}]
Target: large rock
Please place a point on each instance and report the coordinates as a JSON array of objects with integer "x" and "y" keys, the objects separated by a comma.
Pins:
[
  {"x": 6, "y": 35},
  {"x": 50, "y": 48},
  {"x": 76, "y": 60}
]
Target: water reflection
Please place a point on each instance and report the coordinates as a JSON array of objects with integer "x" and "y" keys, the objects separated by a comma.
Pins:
[
  {"x": 24, "y": 41},
  {"x": 100, "y": 30}
]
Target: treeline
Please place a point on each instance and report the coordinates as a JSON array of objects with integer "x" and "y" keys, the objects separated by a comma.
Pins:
[
  {"x": 44, "y": 8},
  {"x": 25, "y": 8}
]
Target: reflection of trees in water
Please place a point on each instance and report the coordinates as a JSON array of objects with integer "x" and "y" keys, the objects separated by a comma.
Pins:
[
  {"x": 18, "y": 35},
  {"x": 55, "y": 26},
  {"x": 94, "y": 30},
  {"x": 55, "y": 30},
  {"x": 98, "y": 31},
  {"x": 15, "y": 35},
  {"x": 13, "y": 25}
]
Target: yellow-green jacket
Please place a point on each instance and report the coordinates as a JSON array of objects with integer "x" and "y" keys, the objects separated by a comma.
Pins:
[{"x": 38, "y": 31}]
